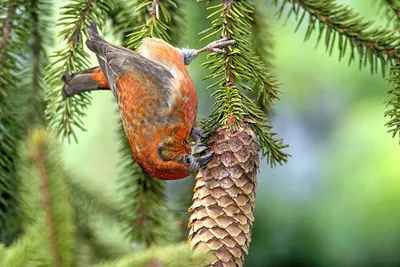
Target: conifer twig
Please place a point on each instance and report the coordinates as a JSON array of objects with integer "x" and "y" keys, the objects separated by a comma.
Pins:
[
  {"x": 172, "y": 256},
  {"x": 86, "y": 200},
  {"x": 27, "y": 250},
  {"x": 393, "y": 102},
  {"x": 343, "y": 27},
  {"x": 33, "y": 104},
  {"x": 11, "y": 128},
  {"x": 6, "y": 27},
  {"x": 66, "y": 114},
  {"x": 37, "y": 51},
  {"x": 44, "y": 186},
  {"x": 50, "y": 178},
  {"x": 392, "y": 8},
  {"x": 262, "y": 45},
  {"x": 261, "y": 36},
  {"x": 144, "y": 207},
  {"x": 238, "y": 72}
]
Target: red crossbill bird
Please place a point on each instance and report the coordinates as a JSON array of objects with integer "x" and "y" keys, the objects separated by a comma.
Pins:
[{"x": 157, "y": 100}]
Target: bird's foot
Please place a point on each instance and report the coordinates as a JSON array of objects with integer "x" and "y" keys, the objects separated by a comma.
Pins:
[
  {"x": 197, "y": 162},
  {"x": 190, "y": 54},
  {"x": 216, "y": 46},
  {"x": 197, "y": 134}
]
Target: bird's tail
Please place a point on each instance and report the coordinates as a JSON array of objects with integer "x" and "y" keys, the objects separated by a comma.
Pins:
[
  {"x": 86, "y": 80},
  {"x": 95, "y": 42},
  {"x": 99, "y": 46}
]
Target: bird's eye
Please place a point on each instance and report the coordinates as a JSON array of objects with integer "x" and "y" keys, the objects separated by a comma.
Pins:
[{"x": 186, "y": 160}]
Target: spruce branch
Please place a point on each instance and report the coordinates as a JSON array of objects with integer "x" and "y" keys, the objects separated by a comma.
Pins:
[
  {"x": 163, "y": 19},
  {"x": 66, "y": 114},
  {"x": 32, "y": 103},
  {"x": 31, "y": 248},
  {"x": 124, "y": 20},
  {"x": 21, "y": 87},
  {"x": 6, "y": 31},
  {"x": 171, "y": 13},
  {"x": 240, "y": 71},
  {"x": 261, "y": 36},
  {"x": 340, "y": 26},
  {"x": 393, "y": 102},
  {"x": 392, "y": 11},
  {"x": 27, "y": 250},
  {"x": 8, "y": 154},
  {"x": 41, "y": 156},
  {"x": 171, "y": 256},
  {"x": 49, "y": 211},
  {"x": 100, "y": 250},
  {"x": 262, "y": 45},
  {"x": 13, "y": 38},
  {"x": 89, "y": 203},
  {"x": 7, "y": 82},
  {"x": 86, "y": 200}
]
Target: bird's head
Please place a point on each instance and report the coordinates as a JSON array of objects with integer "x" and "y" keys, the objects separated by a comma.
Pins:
[{"x": 176, "y": 159}]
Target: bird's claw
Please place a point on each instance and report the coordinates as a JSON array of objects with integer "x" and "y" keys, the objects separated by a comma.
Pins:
[
  {"x": 217, "y": 45},
  {"x": 196, "y": 163},
  {"x": 197, "y": 134},
  {"x": 194, "y": 160}
]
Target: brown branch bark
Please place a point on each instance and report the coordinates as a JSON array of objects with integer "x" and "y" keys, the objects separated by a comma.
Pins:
[{"x": 40, "y": 161}]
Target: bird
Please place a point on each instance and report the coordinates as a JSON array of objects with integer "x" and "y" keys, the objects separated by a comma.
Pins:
[{"x": 157, "y": 100}]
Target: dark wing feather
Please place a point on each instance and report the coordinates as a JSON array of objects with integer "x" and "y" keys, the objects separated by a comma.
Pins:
[{"x": 114, "y": 60}]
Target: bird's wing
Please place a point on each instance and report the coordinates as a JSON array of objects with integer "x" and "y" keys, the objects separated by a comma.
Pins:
[{"x": 114, "y": 60}]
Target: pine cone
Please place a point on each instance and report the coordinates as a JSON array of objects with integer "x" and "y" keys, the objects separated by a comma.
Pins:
[{"x": 224, "y": 195}]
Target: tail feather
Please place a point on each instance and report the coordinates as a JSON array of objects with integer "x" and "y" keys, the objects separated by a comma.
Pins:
[
  {"x": 86, "y": 80},
  {"x": 93, "y": 28},
  {"x": 98, "y": 45},
  {"x": 106, "y": 53},
  {"x": 94, "y": 37}
]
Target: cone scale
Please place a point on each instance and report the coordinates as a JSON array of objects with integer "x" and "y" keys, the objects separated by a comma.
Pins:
[{"x": 224, "y": 197}]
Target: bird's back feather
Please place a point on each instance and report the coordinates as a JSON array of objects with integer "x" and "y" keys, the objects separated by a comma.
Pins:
[{"x": 115, "y": 60}]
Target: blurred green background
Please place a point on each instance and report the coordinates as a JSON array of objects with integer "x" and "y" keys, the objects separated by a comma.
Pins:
[{"x": 336, "y": 202}]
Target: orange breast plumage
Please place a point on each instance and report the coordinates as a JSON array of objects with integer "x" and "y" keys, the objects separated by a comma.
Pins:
[{"x": 154, "y": 113}]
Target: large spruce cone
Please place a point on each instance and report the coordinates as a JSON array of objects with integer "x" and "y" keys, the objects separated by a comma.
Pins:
[{"x": 224, "y": 195}]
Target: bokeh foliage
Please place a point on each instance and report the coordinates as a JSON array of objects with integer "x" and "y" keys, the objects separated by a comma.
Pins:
[{"x": 333, "y": 204}]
